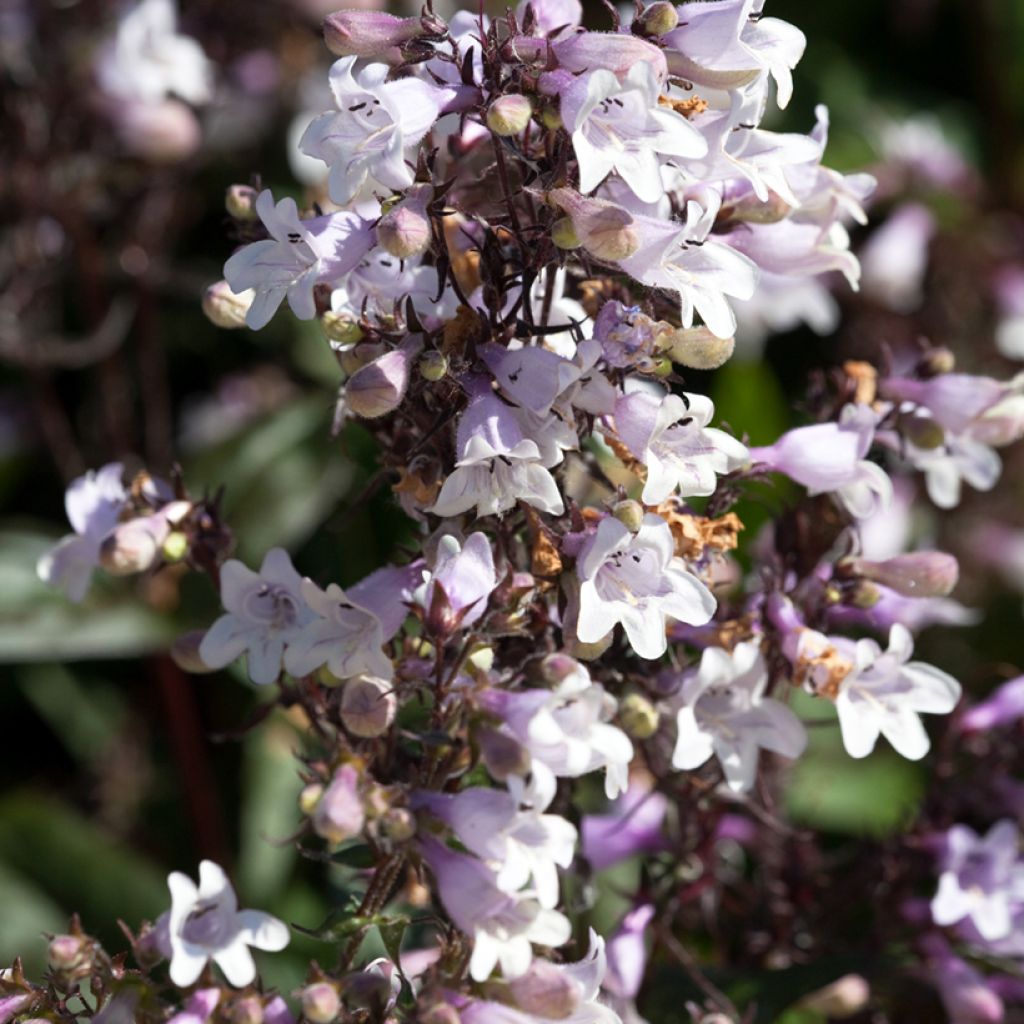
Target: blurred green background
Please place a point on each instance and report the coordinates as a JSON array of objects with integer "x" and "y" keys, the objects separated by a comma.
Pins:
[{"x": 116, "y": 766}]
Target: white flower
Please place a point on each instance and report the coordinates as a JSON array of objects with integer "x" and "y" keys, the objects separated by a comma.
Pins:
[
  {"x": 620, "y": 126},
  {"x": 724, "y": 712},
  {"x": 205, "y": 923},
  {"x": 982, "y": 880},
  {"x": 93, "y": 503},
  {"x": 265, "y": 612},
  {"x": 298, "y": 255},
  {"x": 367, "y": 136},
  {"x": 672, "y": 439},
  {"x": 148, "y": 60},
  {"x": 346, "y": 637},
  {"x": 635, "y": 579},
  {"x": 948, "y": 465},
  {"x": 885, "y": 692}
]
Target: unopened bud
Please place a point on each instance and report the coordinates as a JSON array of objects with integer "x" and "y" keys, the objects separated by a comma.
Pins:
[
  {"x": 751, "y": 210},
  {"x": 161, "y": 131},
  {"x": 546, "y": 991},
  {"x": 240, "y": 202},
  {"x": 339, "y": 813},
  {"x": 630, "y": 513},
  {"x": 843, "y": 998},
  {"x": 310, "y": 797},
  {"x": 563, "y": 234},
  {"x": 503, "y": 755},
  {"x": 557, "y": 667},
  {"x": 185, "y": 653},
  {"x": 604, "y": 229},
  {"x": 404, "y": 231},
  {"x": 321, "y": 1003},
  {"x": 341, "y": 328},
  {"x": 247, "y": 1010},
  {"x": 662, "y": 367},
  {"x": 67, "y": 952},
  {"x": 937, "y": 362},
  {"x": 657, "y": 19},
  {"x": 433, "y": 365},
  {"x": 865, "y": 595},
  {"x": 367, "y": 989},
  {"x": 399, "y": 824},
  {"x": 378, "y": 388},
  {"x": 225, "y": 308},
  {"x": 367, "y": 33},
  {"x": 639, "y": 717},
  {"x": 135, "y": 545},
  {"x": 510, "y": 114},
  {"x": 368, "y": 706},
  {"x": 550, "y": 117},
  {"x": 918, "y": 574},
  {"x": 440, "y": 1013},
  {"x": 923, "y": 432},
  {"x": 696, "y": 348}
]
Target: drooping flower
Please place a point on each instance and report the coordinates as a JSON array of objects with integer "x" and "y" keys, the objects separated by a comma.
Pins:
[
  {"x": 633, "y": 825},
  {"x": 463, "y": 577},
  {"x": 265, "y": 612},
  {"x": 724, "y": 713},
  {"x": 366, "y": 138},
  {"x": 93, "y": 503},
  {"x": 671, "y": 437},
  {"x": 298, "y": 255},
  {"x": 635, "y": 579},
  {"x": 620, "y": 126},
  {"x": 883, "y": 693},
  {"x": 982, "y": 880},
  {"x": 205, "y": 923}
]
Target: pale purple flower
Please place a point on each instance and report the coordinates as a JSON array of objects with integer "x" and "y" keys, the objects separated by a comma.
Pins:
[
  {"x": 376, "y": 120},
  {"x": 497, "y": 466},
  {"x": 266, "y": 611},
  {"x": 982, "y": 880},
  {"x": 948, "y": 465},
  {"x": 633, "y": 825},
  {"x": 628, "y": 337},
  {"x": 620, "y": 126},
  {"x": 671, "y": 437},
  {"x": 723, "y": 712},
  {"x": 830, "y": 458},
  {"x": 148, "y": 59},
  {"x": 552, "y": 14},
  {"x": 967, "y": 995},
  {"x": 885, "y": 692},
  {"x": 381, "y": 282},
  {"x": 522, "y": 845},
  {"x": 686, "y": 260},
  {"x": 298, "y": 255},
  {"x": 93, "y": 503},
  {"x": 729, "y": 45},
  {"x": 531, "y": 376},
  {"x": 205, "y": 923},
  {"x": 503, "y": 926},
  {"x": 199, "y": 1008},
  {"x": 339, "y": 813},
  {"x": 463, "y": 577},
  {"x": 1003, "y": 707},
  {"x": 627, "y": 953},
  {"x": 894, "y": 259},
  {"x": 353, "y": 625},
  {"x": 566, "y": 730},
  {"x": 635, "y": 579}
]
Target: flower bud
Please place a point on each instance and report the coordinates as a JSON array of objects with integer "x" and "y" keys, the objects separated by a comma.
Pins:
[
  {"x": 630, "y": 513},
  {"x": 321, "y": 1003},
  {"x": 509, "y": 114},
  {"x": 550, "y": 116},
  {"x": 367, "y": 33},
  {"x": 546, "y": 991},
  {"x": 923, "y": 432},
  {"x": 440, "y": 1013},
  {"x": 175, "y": 547},
  {"x": 310, "y": 797},
  {"x": 240, "y": 202},
  {"x": 843, "y": 998},
  {"x": 639, "y": 717},
  {"x": 367, "y": 989},
  {"x": 433, "y": 365},
  {"x": 185, "y": 653},
  {"x": 162, "y": 132},
  {"x": 135, "y": 545},
  {"x": 404, "y": 231},
  {"x": 67, "y": 953},
  {"x": 247, "y": 1010},
  {"x": 919, "y": 574},
  {"x": 368, "y": 706},
  {"x": 656, "y": 19},
  {"x": 341, "y": 328},
  {"x": 339, "y": 813},
  {"x": 557, "y": 667},
  {"x": 399, "y": 824},
  {"x": 605, "y": 230},
  {"x": 503, "y": 755},
  {"x": 378, "y": 388},
  {"x": 225, "y": 308},
  {"x": 563, "y": 234},
  {"x": 696, "y": 348}
]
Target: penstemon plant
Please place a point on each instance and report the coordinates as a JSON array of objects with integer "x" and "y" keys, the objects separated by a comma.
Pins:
[{"x": 535, "y": 234}]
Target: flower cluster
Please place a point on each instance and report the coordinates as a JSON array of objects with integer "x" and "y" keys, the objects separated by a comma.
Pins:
[{"x": 531, "y": 230}]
